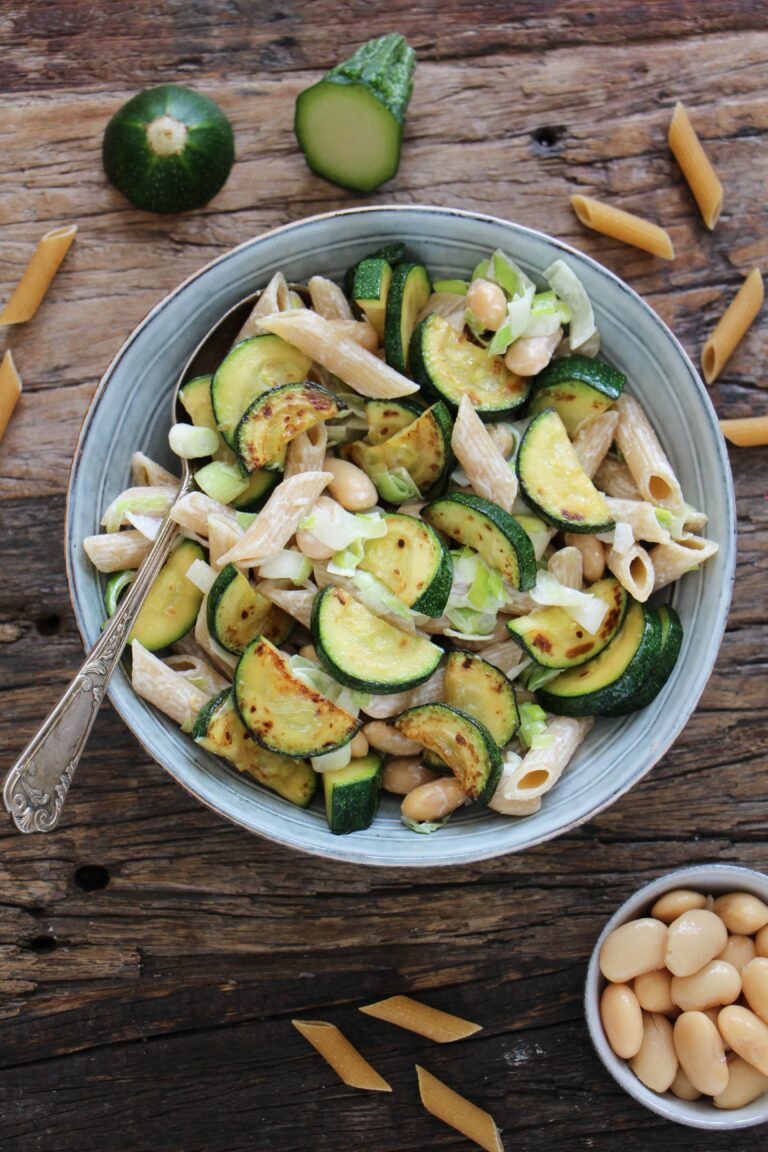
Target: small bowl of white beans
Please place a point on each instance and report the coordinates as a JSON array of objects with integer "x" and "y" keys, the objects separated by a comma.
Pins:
[{"x": 676, "y": 996}]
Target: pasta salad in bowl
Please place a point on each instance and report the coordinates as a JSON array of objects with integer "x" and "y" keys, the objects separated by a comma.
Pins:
[{"x": 429, "y": 600}]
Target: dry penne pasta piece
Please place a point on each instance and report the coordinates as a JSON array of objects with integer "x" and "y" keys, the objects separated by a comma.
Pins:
[
  {"x": 732, "y": 326},
  {"x": 614, "y": 479},
  {"x": 276, "y": 297},
  {"x": 458, "y": 1112},
  {"x": 645, "y": 457},
  {"x": 624, "y": 226},
  {"x": 223, "y": 533},
  {"x": 199, "y": 672},
  {"x": 39, "y": 274},
  {"x": 566, "y": 566},
  {"x": 541, "y": 768},
  {"x": 356, "y": 366},
  {"x": 288, "y": 504},
  {"x": 747, "y": 432},
  {"x": 328, "y": 300},
  {"x": 673, "y": 560},
  {"x": 592, "y": 441},
  {"x": 10, "y": 390},
  {"x": 442, "y": 1027},
  {"x": 382, "y": 707},
  {"x": 633, "y": 569},
  {"x": 146, "y": 472},
  {"x": 699, "y": 173},
  {"x": 641, "y": 516},
  {"x": 193, "y": 509},
  {"x": 297, "y": 602},
  {"x": 164, "y": 687},
  {"x": 349, "y": 1065},
  {"x": 306, "y": 452},
  {"x": 113, "y": 551},
  {"x": 592, "y": 554},
  {"x": 482, "y": 461}
]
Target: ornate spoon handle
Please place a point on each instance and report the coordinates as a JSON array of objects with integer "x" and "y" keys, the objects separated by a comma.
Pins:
[{"x": 36, "y": 786}]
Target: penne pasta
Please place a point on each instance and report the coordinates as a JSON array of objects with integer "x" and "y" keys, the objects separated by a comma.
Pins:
[
  {"x": 276, "y": 297},
  {"x": 225, "y": 661},
  {"x": 614, "y": 479},
  {"x": 306, "y": 452},
  {"x": 592, "y": 554},
  {"x": 541, "y": 768},
  {"x": 10, "y": 390},
  {"x": 449, "y": 305},
  {"x": 633, "y": 569},
  {"x": 441, "y": 1027},
  {"x": 297, "y": 602},
  {"x": 747, "y": 432},
  {"x": 732, "y": 326},
  {"x": 592, "y": 441},
  {"x": 458, "y": 1112},
  {"x": 223, "y": 533},
  {"x": 641, "y": 517},
  {"x": 566, "y": 566},
  {"x": 147, "y": 472},
  {"x": 699, "y": 173},
  {"x": 506, "y": 656},
  {"x": 358, "y": 331},
  {"x": 349, "y": 1065},
  {"x": 623, "y": 226},
  {"x": 382, "y": 707},
  {"x": 358, "y": 368},
  {"x": 114, "y": 551},
  {"x": 328, "y": 300},
  {"x": 199, "y": 672},
  {"x": 482, "y": 461},
  {"x": 286, "y": 507},
  {"x": 193, "y": 509},
  {"x": 672, "y": 561},
  {"x": 39, "y": 274},
  {"x": 165, "y": 688},
  {"x": 647, "y": 462}
]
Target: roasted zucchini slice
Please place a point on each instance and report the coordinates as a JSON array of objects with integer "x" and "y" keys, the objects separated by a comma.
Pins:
[
  {"x": 423, "y": 448},
  {"x": 413, "y": 562},
  {"x": 671, "y": 643},
  {"x": 170, "y": 610},
  {"x": 552, "y": 637},
  {"x": 578, "y": 388},
  {"x": 387, "y": 417},
  {"x": 482, "y": 691},
  {"x": 459, "y": 741},
  {"x": 253, "y": 366},
  {"x": 352, "y": 794},
  {"x": 195, "y": 397},
  {"x": 275, "y": 417},
  {"x": 370, "y": 288},
  {"x": 236, "y": 613},
  {"x": 409, "y": 290},
  {"x": 484, "y": 526}
]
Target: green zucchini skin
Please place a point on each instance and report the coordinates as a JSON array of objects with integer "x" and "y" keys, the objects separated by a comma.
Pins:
[
  {"x": 275, "y": 417},
  {"x": 409, "y": 290},
  {"x": 392, "y": 253},
  {"x": 460, "y": 741},
  {"x": 413, "y": 562},
  {"x": 195, "y": 397},
  {"x": 552, "y": 637},
  {"x": 448, "y": 366},
  {"x": 370, "y": 289},
  {"x": 352, "y": 794},
  {"x": 483, "y": 692},
  {"x": 170, "y": 610},
  {"x": 349, "y": 125},
  {"x": 578, "y": 388},
  {"x": 671, "y": 643},
  {"x": 252, "y": 367},
  {"x": 186, "y": 179},
  {"x": 236, "y": 612},
  {"x": 388, "y": 417},
  {"x": 612, "y": 679},
  {"x": 484, "y": 526}
]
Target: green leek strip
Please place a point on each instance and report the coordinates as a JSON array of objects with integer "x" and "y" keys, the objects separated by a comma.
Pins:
[
  {"x": 116, "y": 585},
  {"x": 395, "y": 485},
  {"x": 533, "y": 723},
  {"x": 288, "y": 564},
  {"x": 459, "y": 287},
  {"x": 220, "y": 481}
]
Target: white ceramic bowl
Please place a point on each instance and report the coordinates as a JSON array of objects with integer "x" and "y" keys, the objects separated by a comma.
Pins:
[
  {"x": 711, "y": 879},
  {"x": 131, "y": 410}
]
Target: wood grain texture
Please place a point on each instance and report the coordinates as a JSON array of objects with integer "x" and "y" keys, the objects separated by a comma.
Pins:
[{"x": 153, "y": 1012}]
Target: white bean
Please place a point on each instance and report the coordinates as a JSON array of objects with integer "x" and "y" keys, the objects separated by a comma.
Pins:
[
  {"x": 700, "y": 1051},
  {"x": 654, "y": 991},
  {"x": 488, "y": 302},
  {"x": 747, "y": 1035},
  {"x": 739, "y": 951},
  {"x": 745, "y": 1084},
  {"x": 353, "y": 489},
  {"x": 717, "y": 983},
  {"x": 622, "y": 1020},
  {"x": 433, "y": 801},
  {"x": 682, "y": 1087},
  {"x": 656, "y": 1062},
  {"x": 358, "y": 746},
  {"x": 405, "y": 773},
  {"x": 761, "y": 942},
  {"x": 632, "y": 949},
  {"x": 672, "y": 904},
  {"x": 530, "y": 355},
  {"x": 694, "y": 938},
  {"x": 754, "y": 979},
  {"x": 383, "y": 738},
  {"x": 310, "y": 546},
  {"x": 742, "y": 912},
  {"x": 308, "y": 652}
]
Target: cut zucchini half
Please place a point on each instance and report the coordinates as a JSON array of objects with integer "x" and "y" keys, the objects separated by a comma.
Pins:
[
  {"x": 482, "y": 691},
  {"x": 409, "y": 291},
  {"x": 275, "y": 417},
  {"x": 281, "y": 712},
  {"x": 552, "y": 637},
  {"x": 352, "y": 794},
  {"x": 170, "y": 610},
  {"x": 252, "y": 367},
  {"x": 671, "y": 643},
  {"x": 362, "y": 651},
  {"x": 553, "y": 481},
  {"x": 423, "y": 448},
  {"x": 219, "y": 729},
  {"x": 613, "y": 678},
  {"x": 489, "y": 530},
  {"x": 413, "y": 562},
  {"x": 236, "y": 612},
  {"x": 370, "y": 289},
  {"x": 578, "y": 388},
  {"x": 459, "y": 741},
  {"x": 388, "y": 417},
  {"x": 448, "y": 366}
]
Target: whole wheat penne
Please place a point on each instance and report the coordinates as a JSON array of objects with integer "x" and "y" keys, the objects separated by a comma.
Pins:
[
  {"x": 328, "y": 300},
  {"x": 592, "y": 554},
  {"x": 223, "y": 533},
  {"x": 641, "y": 516},
  {"x": 458, "y": 1112},
  {"x": 358, "y": 331},
  {"x": 506, "y": 656},
  {"x": 194, "y": 508},
  {"x": 449, "y": 305},
  {"x": 541, "y": 768},
  {"x": 349, "y": 1065},
  {"x": 732, "y": 326},
  {"x": 623, "y": 226},
  {"x": 10, "y": 390},
  {"x": 482, "y": 461},
  {"x": 699, "y": 173},
  {"x": 276, "y": 297},
  {"x": 358, "y": 368},
  {"x": 147, "y": 472},
  {"x": 114, "y": 551},
  {"x": 441, "y": 1027},
  {"x": 566, "y": 566},
  {"x": 633, "y": 569},
  {"x": 225, "y": 661},
  {"x": 167, "y": 689},
  {"x": 39, "y": 274},
  {"x": 306, "y": 452},
  {"x": 199, "y": 672},
  {"x": 639, "y": 445},
  {"x": 614, "y": 479},
  {"x": 672, "y": 561},
  {"x": 297, "y": 602},
  {"x": 382, "y": 707},
  {"x": 592, "y": 441},
  {"x": 503, "y": 437},
  {"x": 286, "y": 507},
  {"x": 747, "y": 432}
]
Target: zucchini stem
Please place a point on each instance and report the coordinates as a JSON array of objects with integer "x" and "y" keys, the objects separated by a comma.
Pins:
[{"x": 167, "y": 136}]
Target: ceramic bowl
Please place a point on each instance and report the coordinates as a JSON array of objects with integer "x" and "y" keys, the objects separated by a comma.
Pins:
[
  {"x": 711, "y": 879},
  {"x": 131, "y": 408}
]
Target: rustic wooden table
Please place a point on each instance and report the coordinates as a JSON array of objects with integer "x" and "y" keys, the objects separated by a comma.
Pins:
[{"x": 151, "y": 956}]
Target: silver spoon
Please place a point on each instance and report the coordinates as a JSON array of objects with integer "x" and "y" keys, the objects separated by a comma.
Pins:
[{"x": 36, "y": 786}]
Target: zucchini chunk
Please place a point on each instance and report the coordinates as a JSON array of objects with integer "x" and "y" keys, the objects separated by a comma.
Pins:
[
  {"x": 370, "y": 289},
  {"x": 236, "y": 612},
  {"x": 553, "y": 481},
  {"x": 392, "y": 253},
  {"x": 195, "y": 397},
  {"x": 409, "y": 290},
  {"x": 671, "y": 643},
  {"x": 413, "y": 562},
  {"x": 253, "y": 366},
  {"x": 170, "y": 610},
  {"x": 459, "y": 741},
  {"x": 281, "y": 712},
  {"x": 613, "y": 678},
  {"x": 484, "y": 526},
  {"x": 219, "y": 729},
  {"x": 275, "y": 417},
  {"x": 552, "y": 637},
  {"x": 388, "y": 417},
  {"x": 482, "y": 691},
  {"x": 362, "y": 651},
  {"x": 423, "y": 448},
  {"x": 448, "y": 366},
  {"x": 352, "y": 794},
  {"x": 578, "y": 388}
]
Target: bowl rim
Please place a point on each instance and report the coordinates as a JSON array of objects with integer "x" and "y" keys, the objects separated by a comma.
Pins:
[
  {"x": 351, "y": 854},
  {"x": 738, "y": 877}
]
